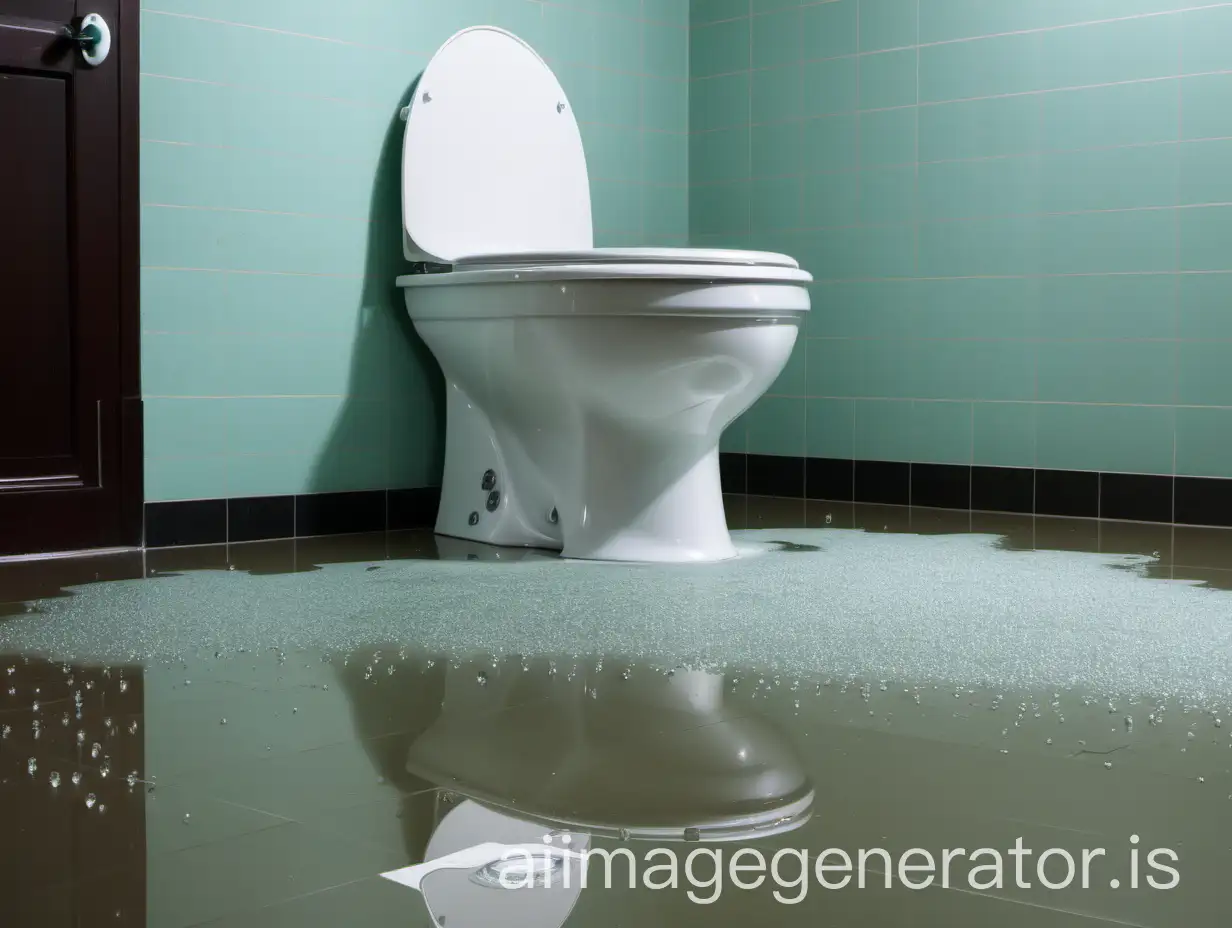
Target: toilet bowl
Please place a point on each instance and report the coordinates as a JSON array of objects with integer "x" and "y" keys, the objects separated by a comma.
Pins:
[{"x": 586, "y": 388}]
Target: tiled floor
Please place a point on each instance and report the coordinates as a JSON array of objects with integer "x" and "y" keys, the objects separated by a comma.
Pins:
[{"x": 270, "y": 787}]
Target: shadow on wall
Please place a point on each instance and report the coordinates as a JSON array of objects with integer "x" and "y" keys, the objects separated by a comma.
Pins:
[{"x": 389, "y": 430}]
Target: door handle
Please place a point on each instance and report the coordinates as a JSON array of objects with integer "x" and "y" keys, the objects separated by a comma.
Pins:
[{"x": 92, "y": 38}]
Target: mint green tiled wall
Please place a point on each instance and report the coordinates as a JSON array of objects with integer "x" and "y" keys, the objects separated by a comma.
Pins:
[
  {"x": 1019, "y": 214},
  {"x": 276, "y": 354}
]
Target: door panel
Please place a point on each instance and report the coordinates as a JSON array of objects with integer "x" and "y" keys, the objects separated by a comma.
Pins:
[
  {"x": 67, "y": 348},
  {"x": 36, "y": 358}
]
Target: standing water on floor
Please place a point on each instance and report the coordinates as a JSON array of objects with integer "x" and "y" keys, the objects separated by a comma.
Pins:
[{"x": 412, "y": 741}]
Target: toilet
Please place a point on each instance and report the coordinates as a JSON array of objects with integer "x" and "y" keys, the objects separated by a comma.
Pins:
[{"x": 586, "y": 388}]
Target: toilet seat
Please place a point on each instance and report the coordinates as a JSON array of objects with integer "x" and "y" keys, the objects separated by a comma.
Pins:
[
  {"x": 699, "y": 273},
  {"x": 626, "y": 256}
]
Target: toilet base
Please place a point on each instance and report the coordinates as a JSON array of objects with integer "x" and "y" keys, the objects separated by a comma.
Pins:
[{"x": 611, "y": 498}]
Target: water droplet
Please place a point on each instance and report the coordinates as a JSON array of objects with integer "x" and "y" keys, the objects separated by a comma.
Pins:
[
  {"x": 188, "y": 682},
  {"x": 132, "y": 727},
  {"x": 1218, "y": 723},
  {"x": 692, "y": 834},
  {"x": 625, "y": 835},
  {"x": 76, "y": 778},
  {"x": 626, "y": 674},
  {"x": 1049, "y": 741},
  {"x": 187, "y": 817},
  {"x": 32, "y": 766},
  {"x": 1201, "y": 779},
  {"x": 54, "y": 779},
  {"x": 131, "y": 779},
  {"x": 222, "y": 721},
  {"x": 1107, "y": 765},
  {"x": 1190, "y": 735},
  {"x": 324, "y": 686},
  {"x": 90, "y": 800},
  {"x": 5, "y": 730},
  {"x": 123, "y": 686},
  {"x": 481, "y": 678},
  {"x": 95, "y": 750},
  {"x": 104, "y": 769}
]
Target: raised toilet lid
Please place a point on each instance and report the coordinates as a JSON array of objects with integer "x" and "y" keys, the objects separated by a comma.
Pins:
[{"x": 492, "y": 160}]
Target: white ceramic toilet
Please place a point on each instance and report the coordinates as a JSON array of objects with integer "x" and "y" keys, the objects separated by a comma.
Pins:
[{"x": 586, "y": 388}]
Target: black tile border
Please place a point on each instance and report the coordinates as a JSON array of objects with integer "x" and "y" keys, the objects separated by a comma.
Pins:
[
  {"x": 192, "y": 522},
  {"x": 771, "y": 475},
  {"x": 1003, "y": 489},
  {"x": 941, "y": 486},
  {"x": 883, "y": 482},
  {"x": 261, "y": 518},
  {"x": 1067, "y": 493},
  {"x": 1204, "y": 501},
  {"x": 1137, "y": 497}
]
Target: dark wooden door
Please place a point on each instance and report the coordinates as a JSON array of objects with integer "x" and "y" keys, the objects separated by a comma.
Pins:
[{"x": 69, "y": 384}]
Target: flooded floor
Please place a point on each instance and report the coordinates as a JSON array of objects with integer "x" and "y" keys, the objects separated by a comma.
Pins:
[{"x": 875, "y": 716}]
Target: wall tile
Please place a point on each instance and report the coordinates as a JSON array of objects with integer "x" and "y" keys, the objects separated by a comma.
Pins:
[
  {"x": 887, "y": 24},
  {"x": 776, "y": 150},
  {"x": 888, "y": 195},
  {"x": 1087, "y": 243},
  {"x": 1108, "y": 372},
  {"x": 982, "y": 188},
  {"x": 1204, "y": 102},
  {"x": 776, "y": 37},
  {"x": 888, "y": 137},
  {"x": 829, "y": 144},
  {"x": 941, "y": 432},
  {"x": 1116, "y": 178},
  {"x": 719, "y": 102},
  {"x": 1120, "y": 114},
  {"x": 829, "y": 86},
  {"x": 975, "y": 307},
  {"x": 887, "y": 79},
  {"x": 1204, "y": 442},
  {"x": 979, "y": 128},
  {"x": 1108, "y": 306},
  {"x": 720, "y": 48},
  {"x": 777, "y": 93},
  {"x": 1203, "y": 379},
  {"x": 883, "y": 430},
  {"x": 709, "y": 11},
  {"x": 776, "y": 426},
  {"x": 1205, "y": 306},
  {"x": 830, "y": 429},
  {"x": 829, "y": 29},
  {"x": 1004, "y": 434},
  {"x": 1136, "y": 439}
]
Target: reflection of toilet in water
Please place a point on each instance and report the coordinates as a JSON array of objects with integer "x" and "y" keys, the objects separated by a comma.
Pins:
[{"x": 652, "y": 758}]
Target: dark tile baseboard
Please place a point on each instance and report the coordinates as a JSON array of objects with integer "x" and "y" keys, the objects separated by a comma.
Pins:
[
  {"x": 1131, "y": 497},
  {"x": 221, "y": 521}
]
